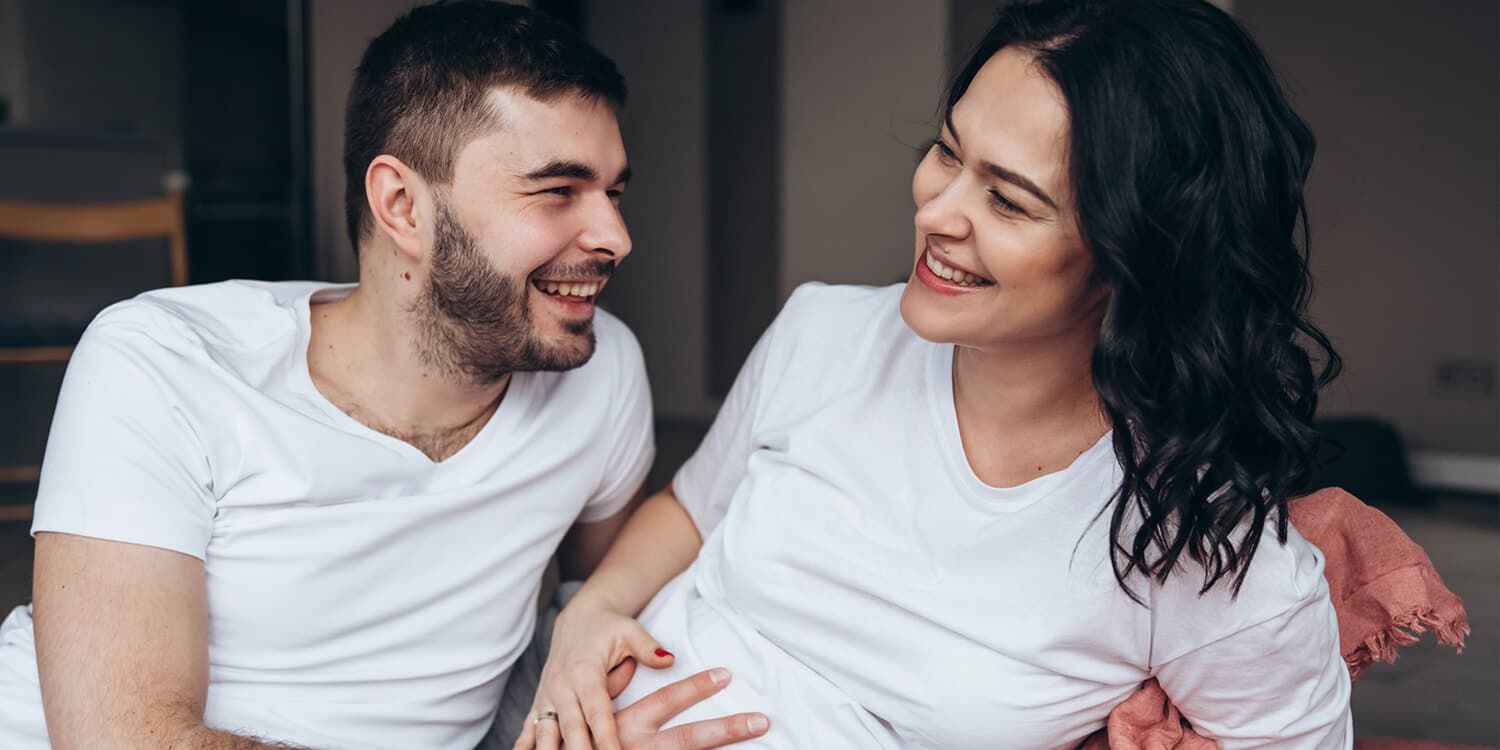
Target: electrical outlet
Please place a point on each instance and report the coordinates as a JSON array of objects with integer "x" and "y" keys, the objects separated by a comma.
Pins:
[{"x": 1465, "y": 378}]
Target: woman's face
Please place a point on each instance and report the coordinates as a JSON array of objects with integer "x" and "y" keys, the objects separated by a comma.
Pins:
[{"x": 999, "y": 260}]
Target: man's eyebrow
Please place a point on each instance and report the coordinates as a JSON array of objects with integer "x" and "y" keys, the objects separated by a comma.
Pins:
[
  {"x": 571, "y": 170},
  {"x": 999, "y": 172}
]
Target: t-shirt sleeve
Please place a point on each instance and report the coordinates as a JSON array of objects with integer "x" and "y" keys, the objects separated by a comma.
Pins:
[
  {"x": 123, "y": 459},
  {"x": 632, "y": 429},
  {"x": 706, "y": 484},
  {"x": 1278, "y": 681}
]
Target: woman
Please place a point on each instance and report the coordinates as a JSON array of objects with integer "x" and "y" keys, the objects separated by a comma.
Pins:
[{"x": 979, "y": 509}]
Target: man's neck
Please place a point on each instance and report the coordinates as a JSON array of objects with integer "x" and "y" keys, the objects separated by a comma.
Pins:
[{"x": 362, "y": 358}]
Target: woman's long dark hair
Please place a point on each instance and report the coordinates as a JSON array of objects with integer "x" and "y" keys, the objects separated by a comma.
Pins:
[{"x": 1188, "y": 168}]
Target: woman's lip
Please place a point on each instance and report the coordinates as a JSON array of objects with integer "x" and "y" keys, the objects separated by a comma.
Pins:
[
  {"x": 927, "y": 250},
  {"x": 941, "y": 285}
]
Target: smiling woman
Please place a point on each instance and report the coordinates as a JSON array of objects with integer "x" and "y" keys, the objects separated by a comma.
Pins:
[{"x": 981, "y": 508}]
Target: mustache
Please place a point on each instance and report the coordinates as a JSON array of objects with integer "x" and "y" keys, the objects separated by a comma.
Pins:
[{"x": 602, "y": 269}]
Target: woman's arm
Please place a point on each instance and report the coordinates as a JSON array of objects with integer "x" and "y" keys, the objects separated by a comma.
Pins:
[
  {"x": 658, "y": 542},
  {"x": 1281, "y": 683},
  {"x": 597, "y": 631}
]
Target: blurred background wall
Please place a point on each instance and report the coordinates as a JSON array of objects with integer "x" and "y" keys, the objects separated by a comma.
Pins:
[
  {"x": 773, "y": 143},
  {"x": 1405, "y": 101}
]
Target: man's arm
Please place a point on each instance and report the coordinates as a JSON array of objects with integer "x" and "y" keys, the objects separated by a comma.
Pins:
[
  {"x": 122, "y": 646},
  {"x": 585, "y": 544}
]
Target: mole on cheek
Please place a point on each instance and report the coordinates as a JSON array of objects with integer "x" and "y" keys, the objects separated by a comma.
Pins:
[{"x": 406, "y": 275}]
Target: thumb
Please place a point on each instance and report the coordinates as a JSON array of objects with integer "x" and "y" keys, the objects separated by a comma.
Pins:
[{"x": 646, "y": 650}]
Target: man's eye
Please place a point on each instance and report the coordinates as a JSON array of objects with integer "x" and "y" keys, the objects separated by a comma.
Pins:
[{"x": 563, "y": 191}]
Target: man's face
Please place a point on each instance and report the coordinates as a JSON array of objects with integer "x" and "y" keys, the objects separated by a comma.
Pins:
[{"x": 523, "y": 240}]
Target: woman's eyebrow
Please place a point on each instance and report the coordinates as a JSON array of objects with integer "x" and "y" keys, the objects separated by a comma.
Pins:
[{"x": 1002, "y": 173}]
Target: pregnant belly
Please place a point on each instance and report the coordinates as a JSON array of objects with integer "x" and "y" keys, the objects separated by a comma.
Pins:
[{"x": 806, "y": 711}]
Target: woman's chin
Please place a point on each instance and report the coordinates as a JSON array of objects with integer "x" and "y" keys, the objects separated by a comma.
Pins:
[{"x": 924, "y": 318}]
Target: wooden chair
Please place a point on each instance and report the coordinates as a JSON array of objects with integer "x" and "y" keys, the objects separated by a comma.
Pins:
[{"x": 85, "y": 223}]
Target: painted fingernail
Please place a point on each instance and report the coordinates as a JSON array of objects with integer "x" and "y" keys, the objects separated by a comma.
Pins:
[
  {"x": 719, "y": 676},
  {"x": 663, "y": 653},
  {"x": 758, "y": 723}
]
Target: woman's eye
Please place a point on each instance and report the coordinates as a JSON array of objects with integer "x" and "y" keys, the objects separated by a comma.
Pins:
[
  {"x": 1006, "y": 205},
  {"x": 944, "y": 152}
]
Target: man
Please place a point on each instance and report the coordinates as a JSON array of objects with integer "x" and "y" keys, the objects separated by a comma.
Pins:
[{"x": 319, "y": 515}]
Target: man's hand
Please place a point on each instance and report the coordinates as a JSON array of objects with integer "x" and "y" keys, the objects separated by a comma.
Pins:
[{"x": 639, "y": 724}]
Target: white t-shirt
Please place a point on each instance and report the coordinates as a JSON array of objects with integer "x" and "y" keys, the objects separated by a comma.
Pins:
[
  {"x": 867, "y": 590},
  {"x": 359, "y": 594}
]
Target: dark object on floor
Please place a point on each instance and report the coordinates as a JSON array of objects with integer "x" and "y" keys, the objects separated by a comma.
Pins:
[{"x": 1366, "y": 457}]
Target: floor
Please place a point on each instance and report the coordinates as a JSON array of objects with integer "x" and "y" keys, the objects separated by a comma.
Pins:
[{"x": 1429, "y": 693}]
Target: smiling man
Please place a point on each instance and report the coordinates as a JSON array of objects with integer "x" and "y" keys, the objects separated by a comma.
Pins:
[{"x": 319, "y": 514}]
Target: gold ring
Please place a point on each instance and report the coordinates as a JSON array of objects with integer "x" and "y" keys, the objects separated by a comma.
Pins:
[{"x": 542, "y": 716}]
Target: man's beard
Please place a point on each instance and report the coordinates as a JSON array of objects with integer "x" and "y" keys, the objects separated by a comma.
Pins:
[{"x": 473, "y": 322}]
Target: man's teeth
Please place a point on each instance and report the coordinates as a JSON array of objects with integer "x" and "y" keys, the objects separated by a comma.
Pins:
[
  {"x": 954, "y": 275},
  {"x": 569, "y": 290}
]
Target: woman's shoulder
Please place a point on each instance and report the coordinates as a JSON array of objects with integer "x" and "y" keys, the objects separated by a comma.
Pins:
[{"x": 841, "y": 312}]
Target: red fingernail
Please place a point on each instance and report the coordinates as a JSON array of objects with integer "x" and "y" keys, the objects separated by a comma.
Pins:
[{"x": 663, "y": 653}]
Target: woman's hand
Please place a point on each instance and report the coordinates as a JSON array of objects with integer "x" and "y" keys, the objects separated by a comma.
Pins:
[{"x": 589, "y": 641}]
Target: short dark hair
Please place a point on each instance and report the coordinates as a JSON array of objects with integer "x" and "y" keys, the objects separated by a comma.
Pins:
[
  {"x": 1188, "y": 167},
  {"x": 420, "y": 91}
]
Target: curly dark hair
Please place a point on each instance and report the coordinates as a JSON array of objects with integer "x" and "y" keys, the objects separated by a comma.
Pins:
[
  {"x": 1187, "y": 165},
  {"x": 419, "y": 92}
]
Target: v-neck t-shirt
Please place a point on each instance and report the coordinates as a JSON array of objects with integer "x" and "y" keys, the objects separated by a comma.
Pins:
[{"x": 359, "y": 594}]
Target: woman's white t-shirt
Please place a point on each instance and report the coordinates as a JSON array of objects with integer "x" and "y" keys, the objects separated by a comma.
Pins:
[
  {"x": 359, "y": 594},
  {"x": 868, "y": 590}
]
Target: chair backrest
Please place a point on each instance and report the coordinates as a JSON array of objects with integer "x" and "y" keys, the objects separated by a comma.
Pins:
[{"x": 102, "y": 222}]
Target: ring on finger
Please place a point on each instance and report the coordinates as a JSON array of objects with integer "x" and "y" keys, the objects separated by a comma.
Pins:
[{"x": 547, "y": 715}]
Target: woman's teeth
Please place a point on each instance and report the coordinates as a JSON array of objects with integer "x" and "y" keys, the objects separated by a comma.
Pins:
[
  {"x": 563, "y": 289},
  {"x": 954, "y": 275}
]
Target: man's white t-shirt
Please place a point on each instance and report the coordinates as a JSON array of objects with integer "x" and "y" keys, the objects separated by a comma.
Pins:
[
  {"x": 867, "y": 590},
  {"x": 359, "y": 594}
]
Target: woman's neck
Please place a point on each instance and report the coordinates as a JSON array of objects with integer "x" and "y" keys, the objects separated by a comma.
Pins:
[{"x": 1027, "y": 410}]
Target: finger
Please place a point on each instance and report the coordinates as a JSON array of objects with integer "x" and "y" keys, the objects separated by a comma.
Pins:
[
  {"x": 599, "y": 712},
  {"x": 701, "y": 735},
  {"x": 547, "y": 733},
  {"x": 646, "y": 650},
  {"x": 619, "y": 678},
  {"x": 655, "y": 709},
  {"x": 575, "y": 730},
  {"x": 527, "y": 740}
]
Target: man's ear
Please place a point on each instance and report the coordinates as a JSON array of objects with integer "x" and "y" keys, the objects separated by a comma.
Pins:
[{"x": 400, "y": 204}]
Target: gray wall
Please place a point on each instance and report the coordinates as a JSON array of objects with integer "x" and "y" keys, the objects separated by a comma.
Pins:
[
  {"x": 12, "y": 57},
  {"x": 661, "y": 288},
  {"x": 50, "y": 62},
  {"x": 861, "y": 81},
  {"x": 338, "y": 32},
  {"x": 1405, "y": 101}
]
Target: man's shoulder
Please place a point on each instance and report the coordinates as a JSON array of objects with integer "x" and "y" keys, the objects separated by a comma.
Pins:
[
  {"x": 232, "y": 330},
  {"x": 226, "y": 316},
  {"x": 615, "y": 347}
]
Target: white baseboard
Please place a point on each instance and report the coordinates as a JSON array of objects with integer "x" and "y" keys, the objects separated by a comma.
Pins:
[{"x": 1456, "y": 471}]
